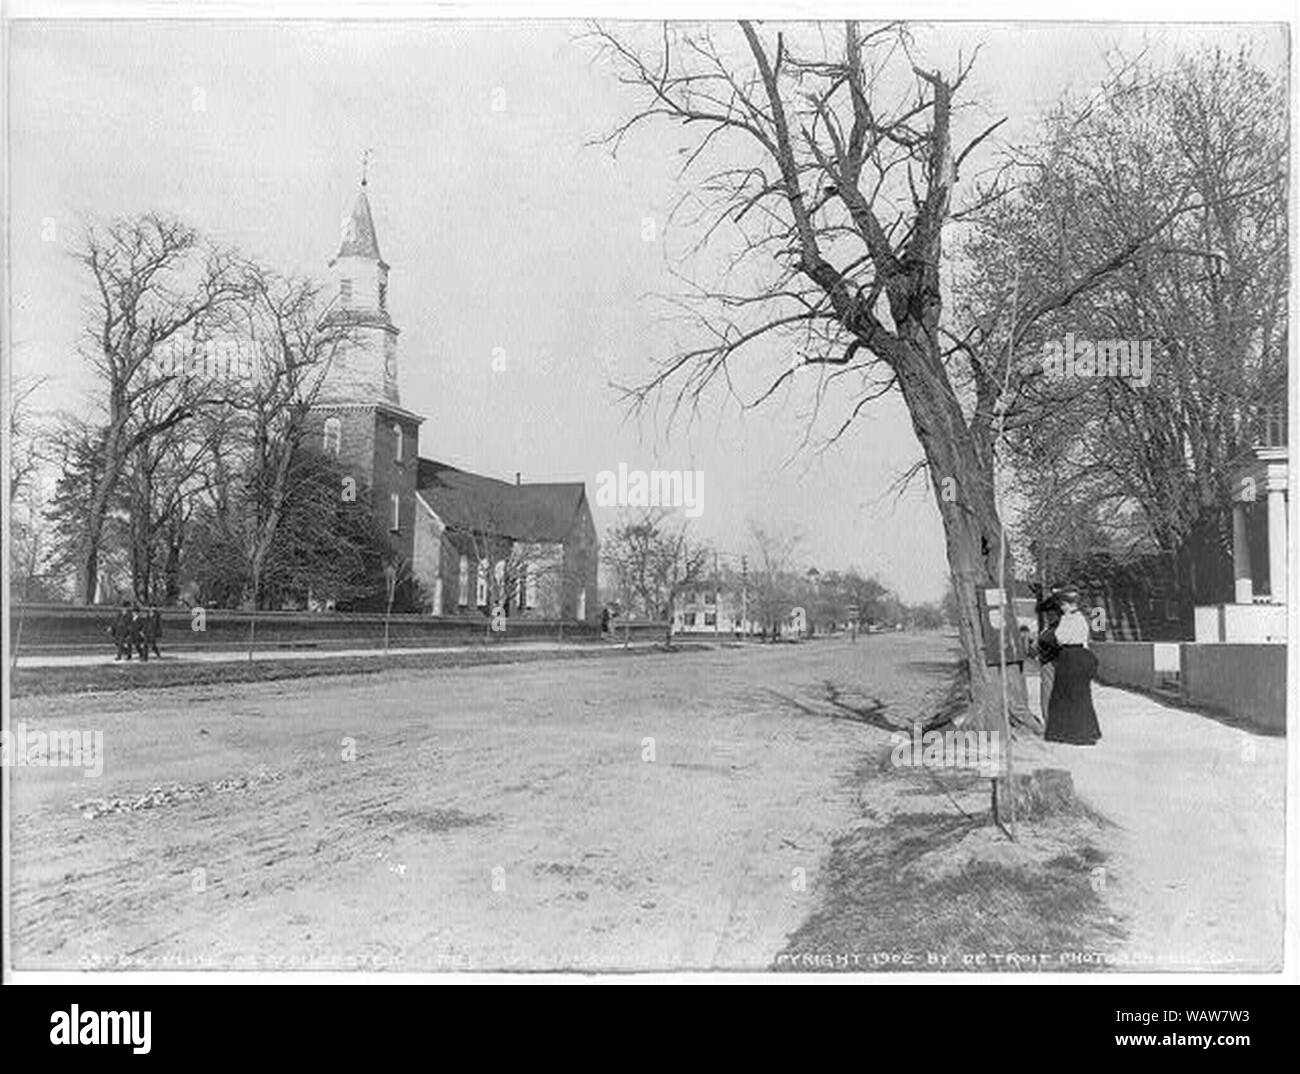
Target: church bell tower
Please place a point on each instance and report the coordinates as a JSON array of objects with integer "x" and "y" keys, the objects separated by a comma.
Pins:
[
  {"x": 366, "y": 370},
  {"x": 358, "y": 416}
]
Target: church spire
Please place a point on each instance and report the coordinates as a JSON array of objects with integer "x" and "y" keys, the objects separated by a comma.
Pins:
[{"x": 359, "y": 239}]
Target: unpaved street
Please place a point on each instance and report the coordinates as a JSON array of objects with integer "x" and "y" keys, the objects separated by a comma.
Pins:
[
  {"x": 725, "y": 808},
  {"x": 643, "y": 811}
]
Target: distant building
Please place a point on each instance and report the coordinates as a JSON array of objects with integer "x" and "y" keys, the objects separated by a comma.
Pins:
[
  {"x": 470, "y": 542},
  {"x": 714, "y": 606}
]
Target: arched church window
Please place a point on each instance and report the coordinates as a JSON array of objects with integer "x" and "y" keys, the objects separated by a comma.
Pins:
[
  {"x": 397, "y": 442},
  {"x": 333, "y": 436}
]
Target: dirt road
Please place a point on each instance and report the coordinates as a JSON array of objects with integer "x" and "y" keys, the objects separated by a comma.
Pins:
[
  {"x": 654, "y": 812},
  {"x": 730, "y": 808}
]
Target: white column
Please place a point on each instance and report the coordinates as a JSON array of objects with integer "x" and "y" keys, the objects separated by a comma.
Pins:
[
  {"x": 1243, "y": 590},
  {"x": 1277, "y": 546}
]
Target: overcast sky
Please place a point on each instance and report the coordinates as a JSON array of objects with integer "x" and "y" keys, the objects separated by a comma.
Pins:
[{"x": 507, "y": 233}]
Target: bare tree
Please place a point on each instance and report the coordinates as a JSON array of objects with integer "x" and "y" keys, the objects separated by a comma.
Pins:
[
  {"x": 28, "y": 448},
  {"x": 159, "y": 291},
  {"x": 26, "y": 437},
  {"x": 1139, "y": 468},
  {"x": 772, "y": 576},
  {"x": 839, "y": 164},
  {"x": 294, "y": 341},
  {"x": 657, "y": 562}
]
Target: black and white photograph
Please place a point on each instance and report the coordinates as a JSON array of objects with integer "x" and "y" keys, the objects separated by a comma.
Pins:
[{"x": 661, "y": 493}]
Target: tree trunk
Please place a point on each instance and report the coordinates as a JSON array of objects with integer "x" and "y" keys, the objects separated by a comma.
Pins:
[
  {"x": 960, "y": 462},
  {"x": 90, "y": 573}
]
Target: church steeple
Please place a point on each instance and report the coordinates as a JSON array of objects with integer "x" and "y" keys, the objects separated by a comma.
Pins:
[
  {"x": 368, "y": 371},
  {"x": 359, "y": 238}
]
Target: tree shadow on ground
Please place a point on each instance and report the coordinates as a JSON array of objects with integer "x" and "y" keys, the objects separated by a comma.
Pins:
[
  {"x": 877, "y": 912},
  {"x": 978, "y": 901}
]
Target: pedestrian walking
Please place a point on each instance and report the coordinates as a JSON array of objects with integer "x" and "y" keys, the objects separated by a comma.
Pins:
[
  {"x": 121, "y": 631},
  {"x": 152, "y": 630},
  {"x": 138, "y": 642},
  {"x": 1071, "y": 717}
]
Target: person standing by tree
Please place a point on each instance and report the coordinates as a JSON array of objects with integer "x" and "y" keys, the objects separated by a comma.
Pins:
[
  {"x": 1046, "y": 650},
  {"x": 1071, "y": 717}
]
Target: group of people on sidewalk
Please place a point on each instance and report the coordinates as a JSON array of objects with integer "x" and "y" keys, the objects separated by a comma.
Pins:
[
  {"x": 1066, "y": 668},
  {"x": 136, "y": 630}
]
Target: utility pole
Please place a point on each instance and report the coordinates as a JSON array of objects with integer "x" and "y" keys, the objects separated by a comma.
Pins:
[
  {"x": 390, "y": 576},
  {"x": 744, "y": 595},
  {"x": 717, "y": 608}
]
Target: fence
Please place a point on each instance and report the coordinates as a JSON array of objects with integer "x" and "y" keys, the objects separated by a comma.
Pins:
[
  {"x": 47, "y": 629},
  {"x": 1246, "y": 681}
]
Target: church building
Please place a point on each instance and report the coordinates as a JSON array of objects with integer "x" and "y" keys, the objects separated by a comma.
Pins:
[{"x": 471, "y": 544}]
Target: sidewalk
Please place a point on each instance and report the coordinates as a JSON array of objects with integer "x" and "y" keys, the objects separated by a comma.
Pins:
[{"x": 1198, "y": 856}]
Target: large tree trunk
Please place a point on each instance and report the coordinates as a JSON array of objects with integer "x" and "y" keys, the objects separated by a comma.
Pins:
[
  {"x": 90, "y": 571},
  {"x": 961, "y": 468}
]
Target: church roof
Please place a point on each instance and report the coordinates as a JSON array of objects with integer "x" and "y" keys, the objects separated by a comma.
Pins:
[
  {"x": 542, "y": 512},
  {"x": 359, "y": 239}
]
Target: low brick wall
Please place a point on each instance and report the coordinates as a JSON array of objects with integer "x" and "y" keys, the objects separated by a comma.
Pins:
[
  {"x": 1126, "y": 663},
  {"x": 53, "y": 628},
  {"x": 1246, "y": 681}
]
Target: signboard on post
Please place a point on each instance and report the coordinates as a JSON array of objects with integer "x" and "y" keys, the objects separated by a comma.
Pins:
[{"x": 997, "y": 614}]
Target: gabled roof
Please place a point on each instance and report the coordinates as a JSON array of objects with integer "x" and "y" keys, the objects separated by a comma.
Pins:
[
  {"x": 542, "y": 512},
  {"x": 359, "y": 238}
]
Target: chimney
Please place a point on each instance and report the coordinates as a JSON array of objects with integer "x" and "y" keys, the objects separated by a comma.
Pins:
[{"x": 517, "y": 481}]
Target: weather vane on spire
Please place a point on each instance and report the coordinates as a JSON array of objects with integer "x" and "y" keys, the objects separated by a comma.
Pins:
[{"x": 366, "y": 154}]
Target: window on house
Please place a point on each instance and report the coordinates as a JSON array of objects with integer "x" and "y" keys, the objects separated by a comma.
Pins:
[
  {"x": 689, "y": 618},
  {"x": 710, "y": 597},
  {"x": 480, "y": 586},
  {"x": 345, "y": 291},
  {"x": 395, "y": 523},
  {"x": 530, "y": 587},
  {"x": 333, "y": 436},
  {"x": 582, "y": 605},
  {"x": 463, "y": 598},
  {"x": 397, "y": 442},
  {"x": 710, "y": 618}
]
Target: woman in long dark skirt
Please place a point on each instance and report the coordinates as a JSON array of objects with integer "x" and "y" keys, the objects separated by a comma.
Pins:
[
  {"x": 1045, "y": 650},
  {"x": 1070, "y": 715}
]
